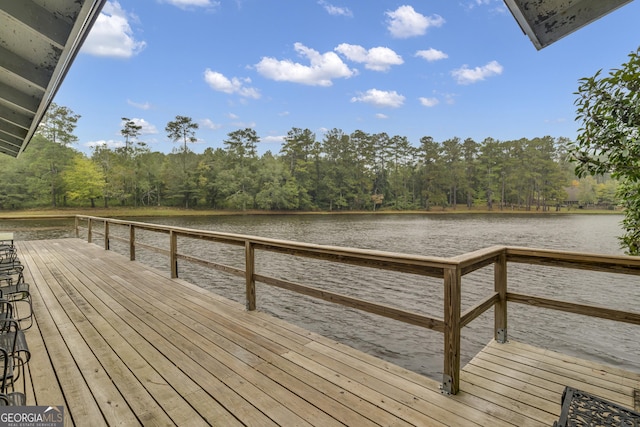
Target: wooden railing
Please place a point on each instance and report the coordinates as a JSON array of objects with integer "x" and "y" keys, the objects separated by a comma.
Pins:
[{"x": 450, "y": 270}]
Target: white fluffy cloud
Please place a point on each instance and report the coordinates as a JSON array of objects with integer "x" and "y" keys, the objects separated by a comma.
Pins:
[
  {"x": 322, "y": 68},
  {"x": 405, "y": 22},
  {"x": 380, "y": 98},
  {"x": 112, "y": 35},
  {"x": 218, "y": 82},
  {"x": 465, "y": 75},
  {"x": 377, "y": 58},
  {"x": 429, "y": 102},
  {"x": 335, "y": 10},
  {"x": 146, "y": 127},
  {"x": 432, "y": 54}
]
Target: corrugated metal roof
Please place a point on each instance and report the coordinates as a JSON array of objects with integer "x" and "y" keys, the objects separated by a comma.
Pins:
[
  {"x": 547, "y": 21},
  {"x": 38, "y": 41}
]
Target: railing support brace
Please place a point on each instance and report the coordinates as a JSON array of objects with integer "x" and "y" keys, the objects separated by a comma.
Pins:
[
  {"x": 249, "y": 252},
  {"x": 452, "y": 299},
  {"x": 500, "y": 309}
]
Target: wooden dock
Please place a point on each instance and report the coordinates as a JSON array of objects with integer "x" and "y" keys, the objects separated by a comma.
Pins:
[{"x": 119, "y": 343}]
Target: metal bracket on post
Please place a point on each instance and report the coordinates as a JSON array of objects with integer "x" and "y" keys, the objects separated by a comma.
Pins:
[
  {"x": 501, "y": 336},
  {"x": 447, "y": 382}
]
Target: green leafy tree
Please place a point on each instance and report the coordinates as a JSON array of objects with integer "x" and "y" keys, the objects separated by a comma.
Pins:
[
  {"x": 106, "y": 160},
  {"x": 180, "y": 179},
  {"x": 84, "y": 180},
  {"x": 452, "y": 157},
  {"x": 240, "y": 168},
  {"x": 150, "y": 186},
  {"x": 469, "y": 155},
  {"x": 50, "y": 153},
  {"x": 297, "y": 152},
  {"x": 609, "y": 139},
  {"x": 211, "y": 164},
  {"x": 432, "y": 173},
  {"x": 183, "y": 130},
  {"x": 362, "y": 146},
  {"x": 489, "y": 166},
  {"x": 587, "y": 191},
  {"x": 607, "y": 193},
  {"x": 13, "y": 189},
  {"x": 130, "y": 130},
  {"x": 340, "y": 178},
  {"x": 402, "y": 157},
  {"x": 278, "y": 189},
  {"x": 130, "y": 168},
  {"x": 58, "y": 125}
]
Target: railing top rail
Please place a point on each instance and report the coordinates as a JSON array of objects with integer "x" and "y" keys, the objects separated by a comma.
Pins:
[
  {"x": 276, "y": 245},
  {"x": 587, "y": 261},
  {"x": 37, "y": 217},
  {"x": 467, "y": 262},
  {"x": 477, "y": 259}
]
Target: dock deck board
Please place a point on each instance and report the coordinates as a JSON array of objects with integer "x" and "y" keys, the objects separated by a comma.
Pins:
[{"x": 119, "y": 343}]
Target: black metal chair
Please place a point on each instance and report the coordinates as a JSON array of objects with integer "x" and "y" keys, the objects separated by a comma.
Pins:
[
  {"x": 14, "y": 356},
  {"x": 8, "y": 395},
  {"x": 14, "y": 289},
  {"x": 580, "y": 408}
]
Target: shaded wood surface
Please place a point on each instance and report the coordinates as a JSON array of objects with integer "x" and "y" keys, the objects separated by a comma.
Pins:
[{"x": 119, "y": 343}]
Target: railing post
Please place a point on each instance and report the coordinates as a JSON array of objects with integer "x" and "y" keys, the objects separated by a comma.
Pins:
[
  {"x": 249, "y": 253},
  {"x": 500, "y": 309},
  {"x": 132, "y": 242},
  {"x": 77, "y": 227},
  {"x": 452, "y": 299},
  {"x": 173, "y": 252},
  {"x": 89, "y": 225},
  {"x": 106, "y": 235}
]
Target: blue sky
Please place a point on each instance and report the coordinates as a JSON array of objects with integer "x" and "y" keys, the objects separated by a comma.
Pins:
[{"x": 439, "y": 68}]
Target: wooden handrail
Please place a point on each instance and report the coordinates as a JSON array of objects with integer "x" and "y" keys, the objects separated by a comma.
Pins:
[
  {"x": 620, "y": 264},
  {"x": 450, "y": 270},
  {"x": 570, "y": 307}
]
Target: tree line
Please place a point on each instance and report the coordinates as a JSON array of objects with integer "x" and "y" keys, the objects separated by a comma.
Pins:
[{"x": 340, "y": 171}]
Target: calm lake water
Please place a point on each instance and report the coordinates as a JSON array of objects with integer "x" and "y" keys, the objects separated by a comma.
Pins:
[{"x": 432, "y": 235}]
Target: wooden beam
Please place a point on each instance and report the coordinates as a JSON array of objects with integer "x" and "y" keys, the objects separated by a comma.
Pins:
[
  {"x": 336, "y": 298},
  {"x": 452, "y": 300},
  {"x": 249, "y": 256},
  {"x": 569, "y": 307},
  {"x": 473, "y": 312},
  {"x": 500, "y": 287}
]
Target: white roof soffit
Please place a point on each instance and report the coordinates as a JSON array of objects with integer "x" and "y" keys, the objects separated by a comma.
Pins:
[
  {"x": 39, "y": 40},
  {"x": 547, "y": 21}
]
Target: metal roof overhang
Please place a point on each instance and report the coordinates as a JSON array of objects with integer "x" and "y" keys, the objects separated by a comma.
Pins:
[
  {"x": 547, "y": 21},
  {"x": 39, "y": 40}
]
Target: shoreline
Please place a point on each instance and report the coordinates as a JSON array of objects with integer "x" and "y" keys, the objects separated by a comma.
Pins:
[{"x": 117, "y": 212}]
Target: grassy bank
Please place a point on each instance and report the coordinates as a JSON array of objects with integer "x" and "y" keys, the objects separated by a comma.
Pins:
[{"x": 166, "y": 212}]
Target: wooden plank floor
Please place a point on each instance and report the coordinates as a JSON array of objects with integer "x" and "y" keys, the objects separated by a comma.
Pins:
[{"x": 118, "y": 343}]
